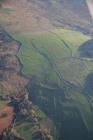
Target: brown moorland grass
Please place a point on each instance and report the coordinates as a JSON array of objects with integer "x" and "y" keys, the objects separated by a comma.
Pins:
[
  {"x": 5, "y": 121},
  {"x": 25, "y": 17}
]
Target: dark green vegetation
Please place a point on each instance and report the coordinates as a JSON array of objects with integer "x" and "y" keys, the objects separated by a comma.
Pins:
[
  {"x": 86, "y": 49},
  {"x": 59, "y": 85},
  {"x": 30, "y": 130}
]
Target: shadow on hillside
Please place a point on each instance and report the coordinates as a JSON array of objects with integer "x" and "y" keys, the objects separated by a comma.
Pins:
[
  {"x": 67, "y": 117},
  {"x": 86, "y": 49},
  {"x": 88, "y": 86}
]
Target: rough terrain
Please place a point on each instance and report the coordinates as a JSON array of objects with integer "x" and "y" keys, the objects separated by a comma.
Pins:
[{"x": 36, "y": 42}]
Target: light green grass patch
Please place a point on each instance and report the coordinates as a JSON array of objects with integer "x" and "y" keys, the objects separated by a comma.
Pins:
[
  {"x": 40, "y": 53},
  {"x": 73, "y": 38},
  {"x": 3, "y": 104}
]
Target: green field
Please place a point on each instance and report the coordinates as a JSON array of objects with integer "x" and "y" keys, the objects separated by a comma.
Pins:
[
  {"x": 47, "y": 50},
  {"x": 58, "y": 75}
]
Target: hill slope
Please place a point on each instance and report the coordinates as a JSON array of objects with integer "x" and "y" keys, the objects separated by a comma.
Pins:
[
  {"x": 66, "y": 13},
  {"x": 58, "y": 63},
  {"x": 45, "y": 15}
]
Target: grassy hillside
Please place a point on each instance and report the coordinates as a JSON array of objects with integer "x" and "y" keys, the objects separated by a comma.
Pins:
[
  {"x": 58, "y": 63},
  {"x": 49, "y": 56},
  {"x": 58, "y": 73}
]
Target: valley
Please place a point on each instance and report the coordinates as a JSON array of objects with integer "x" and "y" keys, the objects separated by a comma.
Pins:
[{"x": 46, "y": 70}]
